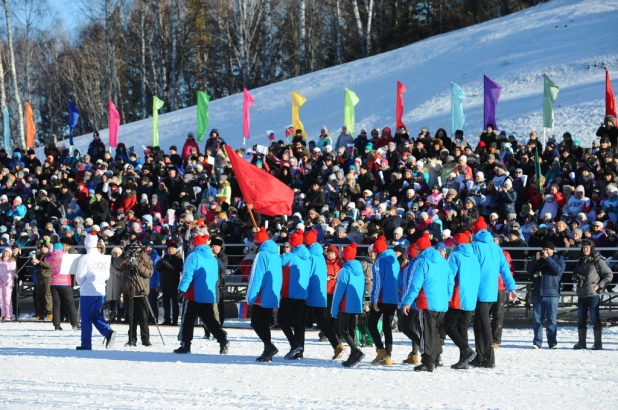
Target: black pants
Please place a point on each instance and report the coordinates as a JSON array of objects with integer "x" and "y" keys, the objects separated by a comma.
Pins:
[
  {"x": 291, "y": 315},
  {"x": 319, "y": 314},
  {"x": 62, "y": 296},
  {"x": 483, "y": 337},
  {"x": 387, "y": 311},
  {"x": 334, "y": 321},
  {"x": 154, "y": 304},
  {"x": 497, "y": 316},
  {"x": 206, "y": 312},
  {"x": 260, "y": 322},
  {"x": 170, "y": 297},
  {"x": 347, "y": 328},
  {"x": 221, "y": 307},
  {"x": 456, "y": 324},
  {"x": 410, "y": 328},
  {"x": 429, "y": 322},
  {"x": 138, "y": 312}
]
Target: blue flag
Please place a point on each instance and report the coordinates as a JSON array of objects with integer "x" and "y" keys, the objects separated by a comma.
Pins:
[
  {"x": 7, "y": 130},
  {"x": 458, "y": 119},
  {"x": 73, "y": 117}
]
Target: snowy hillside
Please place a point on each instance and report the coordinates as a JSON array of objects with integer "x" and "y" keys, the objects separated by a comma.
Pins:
[{"x": 570, "y": 40}]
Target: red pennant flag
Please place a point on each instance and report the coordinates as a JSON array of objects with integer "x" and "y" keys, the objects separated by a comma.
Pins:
[
  {"x": 267, "y": 194},
  {"x": 610, "y": 102},
  {"x": 246, "y": 119},
  {"x": 399, "y": 109},
  {"x": 113, "y": 122}
]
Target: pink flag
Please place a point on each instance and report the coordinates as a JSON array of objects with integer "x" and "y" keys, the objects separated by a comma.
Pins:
[
  {"x": 399, "y": 107},
  {"x": 246, "y": 119},
  {"x": 113, "y": 124}
]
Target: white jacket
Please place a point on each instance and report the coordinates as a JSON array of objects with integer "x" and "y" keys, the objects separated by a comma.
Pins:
[{"x": 92, "y": 273}]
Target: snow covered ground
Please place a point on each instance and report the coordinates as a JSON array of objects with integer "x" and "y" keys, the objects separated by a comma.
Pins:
[
  {"x": 41, "y": 369},
  {"x": 570, "y": 40}
]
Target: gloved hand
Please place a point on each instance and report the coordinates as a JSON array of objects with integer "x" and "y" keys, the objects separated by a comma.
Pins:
[{"x": 181, "y": 295}]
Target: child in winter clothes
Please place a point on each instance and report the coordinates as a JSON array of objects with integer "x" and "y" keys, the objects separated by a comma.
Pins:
[{"x": 7, "y": 273}]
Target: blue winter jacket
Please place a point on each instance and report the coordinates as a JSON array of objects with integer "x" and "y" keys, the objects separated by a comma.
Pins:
[
  {"x": 264, "y": 287},
  {"x": 200, "y": 275},
  {"x": 385, "y": 278},
  {"x": 432, "y": 275},
  {"x": 296, "y": 270},
  {"x": 466, "y": 272},
  {"x": 350, "y": 289},
  {"x": 20, "y": 211},
  {"x": 493, "y": 263},
  {"x": 548, "y": 284},
  {"x": 316, "y": 292},
  {"x": 155, "y": 279}
]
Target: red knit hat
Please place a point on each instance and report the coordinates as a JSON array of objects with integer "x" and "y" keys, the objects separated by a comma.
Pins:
[
  {"x": 200, "y": 237},
  {"x": 349, "y": 252},
  {"x": 261, "y": 236},
  {"x": 296, "y": 239},
  {"x": 479, "y": 225},
  {"x": 379, "y": 245},
  {"x": 422, "y": 243},
  {"x": 462, "y": 237},
  {"x": 311, "y": 237}
]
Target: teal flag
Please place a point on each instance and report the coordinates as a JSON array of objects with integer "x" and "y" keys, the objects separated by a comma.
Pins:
[
  {"x": 458, "y": 119},
  {"x": 202, "y": 114},
  {"x": 550, "y": 94},
  {"x": 7, "y": 130},
  {"x": 348, "y": 110}
]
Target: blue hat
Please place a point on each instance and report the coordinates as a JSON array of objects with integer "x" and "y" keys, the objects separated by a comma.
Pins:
[
  {"x": 441, "y": 246},
  {"x": 542, "y": 226},
  {"x": 58, "y": 247}
]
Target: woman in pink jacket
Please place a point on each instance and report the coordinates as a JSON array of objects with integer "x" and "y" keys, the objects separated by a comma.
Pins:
[
  {"x": 61, "y": 289},
  {"x": 7, "y": 274}
]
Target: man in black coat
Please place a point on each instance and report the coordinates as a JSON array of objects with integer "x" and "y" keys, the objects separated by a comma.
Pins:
[
  {"x": 609, "y": 130},
  {"x": 170, "y": 267},
  {"x": 216, "y": 245},
  {"x": 315, "y": 197},
  {"x": 99, "y": 208}
]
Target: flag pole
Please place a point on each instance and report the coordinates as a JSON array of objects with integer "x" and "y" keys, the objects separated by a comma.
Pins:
[
  {"x": 250, "y": 208},
  {"x": 543, "y": 135}
]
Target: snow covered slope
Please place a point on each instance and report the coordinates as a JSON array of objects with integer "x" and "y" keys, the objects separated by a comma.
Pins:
[{"x": 570, "y": 40}]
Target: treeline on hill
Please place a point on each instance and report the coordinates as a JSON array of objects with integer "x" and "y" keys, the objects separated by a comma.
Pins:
[{"x": 130, "y": 50}]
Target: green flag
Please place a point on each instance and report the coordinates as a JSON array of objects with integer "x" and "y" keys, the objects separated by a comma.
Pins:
[
  {"x": 202, "y": 114},
  {"x": 549, "y": 96},
  {"x": 156, "y": 104},
  {"x": 348, "y": 110}
]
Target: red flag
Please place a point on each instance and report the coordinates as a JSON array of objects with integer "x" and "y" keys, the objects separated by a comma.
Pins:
[
  {"x": 267, "y": 194},
  {"x": 113, "y": 122},
  {"x": 246, "y": 119},
  {"x": 399, "y": 109},
  {"x": 610, "y": 102}
]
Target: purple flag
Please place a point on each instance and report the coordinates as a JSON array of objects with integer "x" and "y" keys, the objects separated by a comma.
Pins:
[{"x": 491, "y": 97}]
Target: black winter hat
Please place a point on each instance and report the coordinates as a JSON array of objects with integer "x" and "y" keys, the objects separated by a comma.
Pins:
[{"x": 548, "y": 245}]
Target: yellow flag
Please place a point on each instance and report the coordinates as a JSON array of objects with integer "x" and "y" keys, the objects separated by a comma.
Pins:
[{"x": 297, "y": 102}]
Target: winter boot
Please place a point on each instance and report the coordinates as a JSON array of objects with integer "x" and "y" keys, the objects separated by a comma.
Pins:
[
  {"x": 322, "y": 337},
  {"x": 338, "y": 352},
  {"x": 381, "y": 355},
  {"x": 110, "y": 339},
  {"x": 438, "y": 362},
  {"x": 598, "y": 344},
  {"x": 346, "y": 362},
  {"x": 83, "y": 348},
  {"x": 185, "y": 348},
  {"x": 224, "y": 347},
  {"x": 57, "y": 328},
  {"x": 423, "y": 368},
  {"x": 412, "y": 359},
  {"x": 49, "y": 318},
  {"x": 465, "y": 357},
  {"x": 581, "y": 344},
  {"x": 496, "y": 346},
  {"x": 267, "y": 355},
  {"x": 356, "y": 358},
  {"x": 294, "y": 353}
]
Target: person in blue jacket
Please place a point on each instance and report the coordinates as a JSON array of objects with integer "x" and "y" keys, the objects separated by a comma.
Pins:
[
  {"x": 264, "y": 290},
  {"x": 466, "y": 273},
  {"x": 546, "y": 269},
  {"x": 296, "y": 270},
  {"x": 155, "y": 282},
  {"x": 316, "y": 293},
  {"x": 348, "y": 302},
  {"x": 384, "y": 299},
  {"x": 493, "y": 263},
  {"x": 432, "y": 275},
  {"x": 198, "y": 282}
]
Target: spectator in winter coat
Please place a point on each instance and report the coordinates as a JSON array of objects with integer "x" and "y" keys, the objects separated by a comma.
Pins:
[
  {"x": 186, "y": 148},
  {"x": 609, "y": 130},
  {"x": 43, "y": 291},
  {"x": 8, "y": 267},
  {"x": 493, "y": 264},
  {"x": 170, "y": 267},
  {"x": 507, "y": 198},
  {"x": 348, "y": 302},
  {"x": 592, "y": 275},
  {"x": 264, "y": 290},
  {"x": 384, "y": 298},
  {"x": 315, "y": 304},
  {"x": 214, "y": 143},
  {"x": 432, "y": 274},
  {"x": 466, "y": 275},
  {"x": 546, "y": 269},
  {"x": 61, "y": 289},
  {"x": 91, "y": 278},
  {"x": 344, "y": 140},
  {"x": 296, "y": 273}
]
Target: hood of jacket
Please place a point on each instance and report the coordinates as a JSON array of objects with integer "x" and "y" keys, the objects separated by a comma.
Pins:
[
  {"x": 355, "y": 267},
  {"x": 483, "y": 236},
  {"x": 302, "y": 252},
  {"x": 203, "y": 251},
  {"x": 269, "y": 247},
  {"x": 465, "y": 249},
  {"x": 431, "y": 254},
  {"x": 387, "y": 253},
  {"x": 316, "y": 249}
]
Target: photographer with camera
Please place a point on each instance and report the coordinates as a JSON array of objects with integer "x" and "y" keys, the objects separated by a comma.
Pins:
[
  {"x": 591, "y": 274},
  {"x": 547, "y": 269},
  {"x": 136, "y": 267}
]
